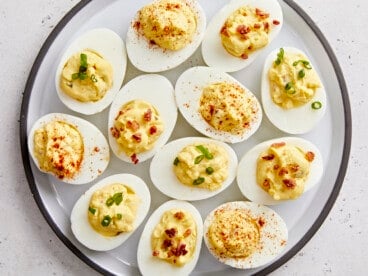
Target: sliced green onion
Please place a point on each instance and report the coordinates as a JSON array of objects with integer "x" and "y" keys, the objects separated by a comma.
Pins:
[
  {"x": 205, "y": 151},
  {"x": 106, "y": 221},
  {"x": 316, "y": 105},
  {"x": 119, "y": 216},
  {"x": 93, "y": 78},
  {"x": 109, "y": 201},
  {"x": 118, "y": 198},
  {"x": 198, "y": 181},
  {"x": 82, "y": 76},
  {"x": 198, "y": 159},
  {"x": 83, "y": 60},
  {"x": 301, "y": 74},
  {"x": 289, "y": 88},
  {"x": 305, "y": 63},
  {"x": 176, "y": 161},
  {"x": 92, "y": 210},
  {"x": 75, "y": 76},
  {"x": 280, "y": 56},
  {"x": 209, "y": 170}
]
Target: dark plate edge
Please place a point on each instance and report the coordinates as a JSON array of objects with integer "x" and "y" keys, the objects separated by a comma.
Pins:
[{"x": 295, "y": 249}]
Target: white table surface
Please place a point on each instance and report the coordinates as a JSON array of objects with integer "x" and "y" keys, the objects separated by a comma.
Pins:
[{"x": 27, "y": 243}]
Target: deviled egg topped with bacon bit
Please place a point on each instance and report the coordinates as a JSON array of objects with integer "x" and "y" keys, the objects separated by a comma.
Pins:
[
  {"x": 165, "y": 33},
  {"x": 239, "y": 32},
  {"x": 91, "y": 71}
]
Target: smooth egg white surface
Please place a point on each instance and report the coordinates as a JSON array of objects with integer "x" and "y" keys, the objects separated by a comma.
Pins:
[
  {"x": 151, "y": 58},
  {"x": 96, "y": 155},
  {"x": 158, "y": 91},
  {"x": 297, "y": 120},
  {"x": 163, "y": 176},
  {"x": 273, "y": 235},
  {"x": 81, "y": 227},
  {"x": 214, "y": 53},
  {"x": 112, "y": 48},
  {"x": 247, "y": 169},
  {"x": 188, "y": 91},
  {"x": 149, "y": 265}
]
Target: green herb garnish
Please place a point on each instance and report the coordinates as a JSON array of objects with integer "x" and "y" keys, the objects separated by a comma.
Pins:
[
  {"x": 176, "y": 161},
  {"x": 119, "y": 216},
  {"x": 106, "y": 221},
  {"x": 117, "y": 198},
  {"x": 301, "y": 74},
  {"x": 198, "y": 181},
  {"x": 280, "y": 56},
  {"x": 92, "y": 210},
  {"x": 305, "y": 63},
  {"x": 209, "y": 170},
  {"x": 205, "y": 152},
  {"x": 93, "y": 78},
  {"x": 316, "y": 105},
  {"x": 198, "y": 159},
  {"x": 289, "y": 88},
  {"x": 82, "y": 73}
]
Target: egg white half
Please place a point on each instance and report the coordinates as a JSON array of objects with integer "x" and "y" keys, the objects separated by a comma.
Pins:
[
  {"x": 247, "y": 169},
  {"x": 112, "y": 48},
  {"x": 96, "y": 155},
  {"x": 158, "y": 91},
  {"x": 81, "y": 227},
  {"x": 273, "y": 234},
  {"x": 149, "y": 265},
  {"x": 297, "y": 120},
  {"x": 164, "y": 178},
  {"x": 188, "y": 91},
  {"x": 215, "y": 55},
  {"x": 152, "y": 58}
]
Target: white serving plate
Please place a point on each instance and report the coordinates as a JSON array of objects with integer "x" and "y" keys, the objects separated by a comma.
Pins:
[{"x": 303, "y": 216}]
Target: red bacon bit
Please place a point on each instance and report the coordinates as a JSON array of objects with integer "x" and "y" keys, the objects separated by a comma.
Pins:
[
  {"x": 180, "y": 250},
  {"x": 266, "y": 26},
  {"x": 114, "y": 132},
  {"x": 268, "y": 157},
  {"x": 224, "y": 31},
  {"x": 134, "y": 158},
  {"x": 309, "y": 156},
  {"x": 179, "y": 215},
  {"x": 261, "y": 222},
  {"x": 261, "y": 13},
  {"x": 133, "y": 125},
  {"x": 212, "y": 109},
  {"x": 289, "y": 183},
  {"x": 137, "y": 25},
  {"x": 137, "y": 137},
  {"x": 257, "y": 26},
  {"x": 166, "y": 244},
  {"x": 275, "y": 22},
  {"x": 242, "y": 29},
  {"x": 187, "y": 233},
  {"x": 120, "y": 113},
  {"x": 283, "y": 171},
  {"x": 147, "y": 115},
  {"x": 276, "y": 167},
  {"x": 278, "y": 145},
  {"x": 56, "y": 145},
  {"x": 96, "y": 149},
  {"x": 170, "y": 232},
  {"x": 155, "y": 253},
  {"x": 244, "y": 56},
  {"x": 152, "y": 130},
  {"x": 266, "y": 183},
  {"x": 294, "y": 167}
]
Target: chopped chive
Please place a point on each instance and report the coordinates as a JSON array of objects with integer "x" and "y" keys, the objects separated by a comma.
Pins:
[
  {"x": 305, "y": 63},
  {"x": 118, "y": 198},
  {"x": 92, "y": 210},
  {"x": 119, "y": 216},
  {"x": 316, "y": 105},
  {"x": 289, "y": 88},
  {"x": 109, "y": 201},
  {"x": 198, "y": 159},
  {"x": 198, "y": 181},
  {"x": 209, "y": 170},
  {"x": 106, "y": 221},
  {"x": 205, "y": 151},
  {"x": 83, "y": 60},
  {"x": 301, "y": 74},
  {"x": 93, "y": 78},
  {"x": 176, "y": 161},
  {"x": 280, "y": 56}
]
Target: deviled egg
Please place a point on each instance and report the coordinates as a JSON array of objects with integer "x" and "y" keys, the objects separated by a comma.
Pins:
[
  {"x": 239, "y": 32},
  {"x": 244, "y": 234},
  {"x": 293, "y": 96},
  {"x": 71, "y": 149},
  {"x": 142, "y": 118},
  {"x": 217, "y": 105},
  {"x": 165, "y": 33},
  {"x": 193, "y": 168},
  {"x": 91, "y": 71},
  {"x": 110, "y": 211},
  {"x": 171, "y": 241},
  {"x": 279, "y": 169}
]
